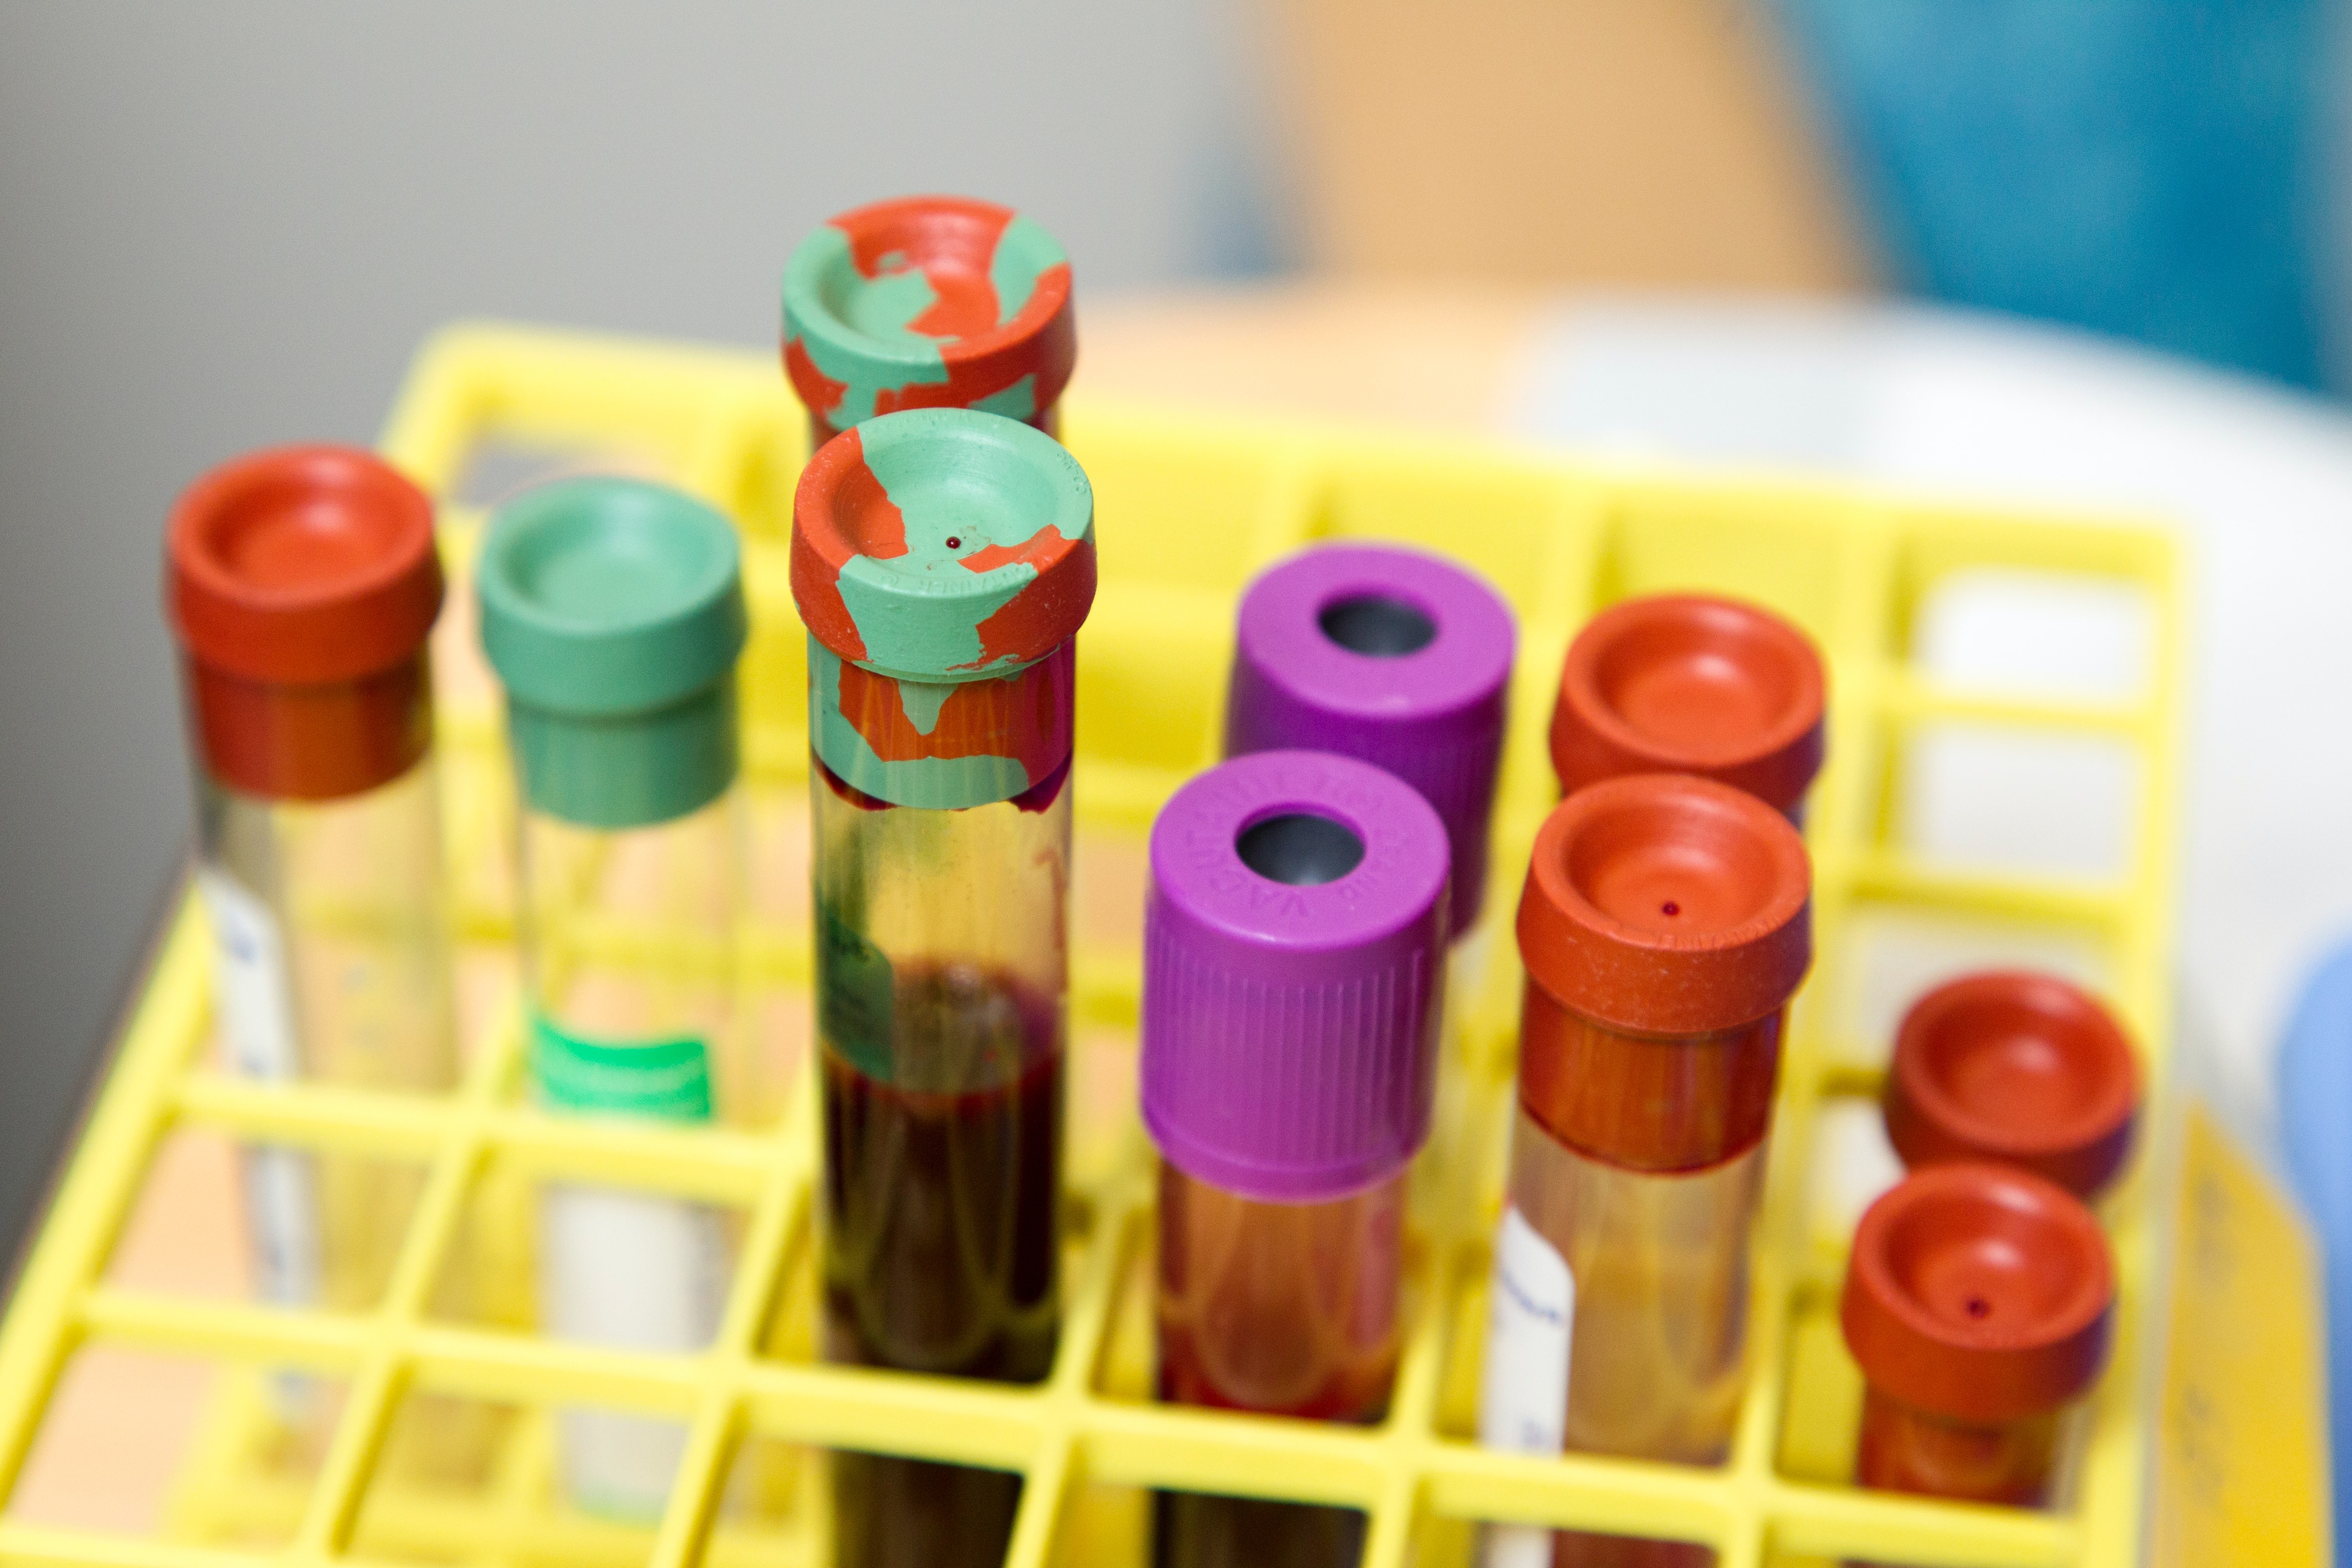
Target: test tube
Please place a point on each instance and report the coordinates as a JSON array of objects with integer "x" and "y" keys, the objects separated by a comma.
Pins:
[
  {"x": 1397, "y": 657},
  {"x": 1665, "y": 924},
  {"x": 1692, "y": 684},
  {"x": 1293, "y": 943},
  {"x": 302, "y": 584},
  {"x": 927, "y": 303},
  {"x": 613, "y": 611},
  {"x": 1979, "y": 1301},
  {"x": 2018, "y": 1068},
  {"x": 943, "y": 562}
]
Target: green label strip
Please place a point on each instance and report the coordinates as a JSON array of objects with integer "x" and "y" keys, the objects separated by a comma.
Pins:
[
  {"x": 854, "y": 996},
  {"x": 664, "y": 1079}
]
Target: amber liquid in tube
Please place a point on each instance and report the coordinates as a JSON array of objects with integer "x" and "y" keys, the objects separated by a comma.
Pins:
[
  {"x": 1646, "y": 1269},
  {"x": 1282, "y": 1308},
  {"x": 942, "y": 964}
]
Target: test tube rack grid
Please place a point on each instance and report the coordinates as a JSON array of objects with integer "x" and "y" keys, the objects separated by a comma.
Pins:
[{"x": 1188, "y": 509}]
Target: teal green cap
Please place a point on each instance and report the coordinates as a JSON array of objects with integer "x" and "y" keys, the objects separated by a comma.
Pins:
[{"x": 613, "y": 610}]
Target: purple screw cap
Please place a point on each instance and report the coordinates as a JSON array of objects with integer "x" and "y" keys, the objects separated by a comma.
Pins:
[
  {"x": 1397, "y": 657},
  {"x": 1294, "y": 944}
]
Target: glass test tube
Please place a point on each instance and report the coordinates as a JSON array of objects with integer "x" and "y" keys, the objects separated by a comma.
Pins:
[
  {"x": 927, "y": 303},
  {"x": 1664, "y": 925},
  {"x": 1293, "y": 943},
  {"x": 1690, "y": 684},
  {"x": 2017, "y": 1068},
  {"x": 1979, "y": 1301},
  {"x": 943, "y": 562},
  {"x": 302, "y": 584},
  {"x": 613, "y": 612},
  {"x": 1395, "y": 657}
]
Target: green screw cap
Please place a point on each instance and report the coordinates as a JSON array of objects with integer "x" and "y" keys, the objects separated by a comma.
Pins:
[{"x": 613, "y": 610}]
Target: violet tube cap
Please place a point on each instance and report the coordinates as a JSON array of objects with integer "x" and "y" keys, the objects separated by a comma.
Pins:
[
  {"x": 1400, "y": 658},
  {"x": 1294, "y": 944}
]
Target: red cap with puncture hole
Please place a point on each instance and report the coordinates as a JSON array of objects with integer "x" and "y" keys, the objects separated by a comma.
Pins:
[
  {"x": 1980, "y": 1293},
  {"x": 2018, "y": 1068},
  {"x": 302, "y": 582},
  {"x": 1668, "y": 905},
  {"x": 1690, "y": 683}
]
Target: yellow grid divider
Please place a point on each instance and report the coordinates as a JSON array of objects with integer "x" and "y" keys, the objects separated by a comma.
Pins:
[{"x": 1189, "y": 507}]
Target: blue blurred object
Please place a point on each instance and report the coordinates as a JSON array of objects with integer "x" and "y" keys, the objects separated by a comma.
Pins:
[
  {"x": 2315, "y": 1075},
  {"x": 2149, "y": 168}
]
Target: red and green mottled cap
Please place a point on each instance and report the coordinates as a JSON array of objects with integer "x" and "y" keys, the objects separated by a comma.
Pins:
[
  {"x": 928, "y": 302},
  {"x": 942, "y": 545}
]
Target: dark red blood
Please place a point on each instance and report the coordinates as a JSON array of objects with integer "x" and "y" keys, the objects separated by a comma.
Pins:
[
  {"x": 1197, "y": 1529},
  {"x": 1041, "y": 796},
  {"x": 941, "y": 1249}
]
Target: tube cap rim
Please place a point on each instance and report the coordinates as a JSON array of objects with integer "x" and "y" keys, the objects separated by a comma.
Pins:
[
  {"x": 1289, "y": 1032},
  {"x": 1434, "y": 716},
  {"x": 1931, "y": 1115},
  {"x": 943, "y": 545},
  {"x": 1775, "y": 758},
  {"x": 944, "y": 262},
  {"x": 302, "y": 565},
  {"x": 1732, "y": 885},
  {"x": 604, "y": 596},
  {"x": 2017, "y": 1328}
]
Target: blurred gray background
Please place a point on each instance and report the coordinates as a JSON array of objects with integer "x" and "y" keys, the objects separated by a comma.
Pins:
[{"x": 226, "y": 225}]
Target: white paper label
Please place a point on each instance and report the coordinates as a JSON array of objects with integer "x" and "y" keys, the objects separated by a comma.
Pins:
[
  {"x": 1522, "y": 1388},
  {"x": 1530, "y": 1314},
  {"x": 255, "y": 1006},
  {"x": 640, "y": 1272},
  {"x": 251, "y": 997},
  {"x": 1517, "y": 1546}
]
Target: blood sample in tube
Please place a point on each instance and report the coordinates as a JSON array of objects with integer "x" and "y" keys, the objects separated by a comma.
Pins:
[
  {"x": 1979, "y": 1302},
  {"x": 1293, "y": 943},
  {"x": 1664, "y": 925},
  {"x": 943, "y": 562}
]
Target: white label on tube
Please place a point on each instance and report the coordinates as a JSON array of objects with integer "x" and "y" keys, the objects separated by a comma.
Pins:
[
  {"x": 254, "y": 1004},
  {"x": 252, "y": 1000},
  {"x": 1523, "y": 1386},
  {"x": 1517, "y": 1546},
  {"x": 1531, "y": 1316},
  {"x": 641, "y": 1272}
]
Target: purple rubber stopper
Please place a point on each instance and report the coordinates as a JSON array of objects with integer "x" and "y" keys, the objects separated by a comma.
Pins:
[
  {"x": 1400, "y": 659},
  {"x": 1293, "y": 951}
]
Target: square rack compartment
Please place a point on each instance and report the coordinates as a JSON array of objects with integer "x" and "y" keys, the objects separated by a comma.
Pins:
[{"x": 1188, "y": 510}]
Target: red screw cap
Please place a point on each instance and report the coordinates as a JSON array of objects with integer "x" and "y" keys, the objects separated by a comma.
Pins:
[
  {"x": 303, "y": 566},
  {"x": 302, "y": 582},
  {"x": 1981, "y": 1293},
  {"x": 1686, "y": 683},
  {"x": 2018, "y": 1068},
  {"x": 1668, "y": 905}
]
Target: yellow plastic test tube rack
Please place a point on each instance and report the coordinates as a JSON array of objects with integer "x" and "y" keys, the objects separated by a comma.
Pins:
[{"x": 1188, "y": 510}]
